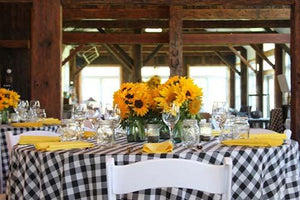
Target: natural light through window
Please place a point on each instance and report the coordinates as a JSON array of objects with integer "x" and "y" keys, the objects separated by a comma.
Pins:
[
  {"x": 100, "y": 83},
  {"x": 148, "y": 71},
  {"x": 214, "y": 81}
]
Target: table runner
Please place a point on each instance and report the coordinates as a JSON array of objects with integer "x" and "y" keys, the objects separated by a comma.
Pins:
[
  {"x": 258, "y": 173},
  {"x": 3, "y": 144}
]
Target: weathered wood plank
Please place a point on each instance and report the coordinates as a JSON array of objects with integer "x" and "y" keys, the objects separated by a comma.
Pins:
[
  {"x": 107, "y": 13},
  {"x": 159, "y": 38},
  {"x": 179, "y": 2},
  {"x": 244, "y": 80},
  {"x": 236, "y": 38},
  {"x": 46, "y": 55},
  {"x": 122, "y": 38},
  {"x": 15, "y": 44},
  {"x": 295, "y": 71},
  {"x": 175, "y": 41},
  {"x": 186, "y": 24},
  {"x": 259, "y": 79}
]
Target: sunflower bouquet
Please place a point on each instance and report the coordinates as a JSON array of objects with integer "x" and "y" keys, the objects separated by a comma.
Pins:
[
  {"x": 137, "y": 106},
  {"x": 8, "y": 101}
]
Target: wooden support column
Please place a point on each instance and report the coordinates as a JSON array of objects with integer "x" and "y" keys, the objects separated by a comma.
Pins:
[
  {"x": 46, "y": 34},
  {"x": 138, "y": 61},
  {"x": 259, "y": 78},
  {"x": 244, "y": 80},
  {"x": 175, "y": 41},
  {"x": 295, "y": 70},
  {"x": 232, "y": 89},
  {"x": 278, "y": 70}
]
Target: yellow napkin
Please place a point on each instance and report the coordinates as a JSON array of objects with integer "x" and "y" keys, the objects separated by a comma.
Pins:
[
  {"x": 50, "y": 121},
  {"x": 258, "y": 140},
  {"x": 30, "y": 139},
  {"x": 215, "y": 132},
  {"x": 88, "y": 134},
  {"x": 27, "y": 124},
  {"x": 53, "y": 146},
  {"x": 163, "y": 147}
]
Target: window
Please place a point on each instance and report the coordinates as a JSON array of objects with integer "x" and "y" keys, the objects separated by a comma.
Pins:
[
  {"x": 215, "y": 84},
  {"x": 100, "y": 83},
  {"x": 149, "y": 71}
]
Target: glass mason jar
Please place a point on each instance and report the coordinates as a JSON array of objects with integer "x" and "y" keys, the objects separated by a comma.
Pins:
[
  {"x": 227, "y": 132},
  {"x": 191, "y": 132},
  {"x": 136, "y": 131},
  {"x": 152, "y": 132},
  {"x": 105, "y": 133},
  {"x": 241, "y": 128},
  {"x": 205, "y": 131}
]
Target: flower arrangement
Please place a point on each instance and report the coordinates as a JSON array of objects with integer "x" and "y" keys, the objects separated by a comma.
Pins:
[
  {"x": 182, "y": 92},
  {"x": 8, "y": 99}
]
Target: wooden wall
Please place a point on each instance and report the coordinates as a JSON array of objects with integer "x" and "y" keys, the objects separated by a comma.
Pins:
[{"x": 15, "y": 25}]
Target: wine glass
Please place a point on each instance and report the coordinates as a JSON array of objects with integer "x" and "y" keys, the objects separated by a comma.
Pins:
[
  {"x": 79, "y": 115},
  {"x": 219, "y": 115},
  {"x": 34, "y": 104},
  {"x": 170, "y": 118}
]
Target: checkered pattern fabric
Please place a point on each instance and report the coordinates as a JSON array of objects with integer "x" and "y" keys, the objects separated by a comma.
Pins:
[
  {"x": 3, "y": 144},
  {"x": 258, "y": 173},
  {"x": 276, "y": 120}
]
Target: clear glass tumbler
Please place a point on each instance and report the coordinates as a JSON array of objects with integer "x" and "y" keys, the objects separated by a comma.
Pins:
[{"x": 191, "y": 133}]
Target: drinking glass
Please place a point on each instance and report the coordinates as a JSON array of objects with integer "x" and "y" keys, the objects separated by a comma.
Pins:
[
  {"x": 219, "y": 114},
  {"x": 170, "y": 118},
  {"x": 79, "y": 115},
  {"x": 114, "y": 116},
  {"x": 34, "y": 104}
]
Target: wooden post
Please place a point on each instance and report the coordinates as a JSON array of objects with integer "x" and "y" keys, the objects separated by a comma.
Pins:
[
  {"x": 232, "y": 89},
  {"x": 295, "y": 70},
  {"x": 175, "y": 41},
  {"x": 278, "y": 70},
  {"x": 259, "y": 79},
  {"x": 244, "y": 80},
  {"x": 46, "y": 40},
  {"x": 138, "y": 61}
]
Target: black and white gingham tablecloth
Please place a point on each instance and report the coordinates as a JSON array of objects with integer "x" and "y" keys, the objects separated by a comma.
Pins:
[
  {"x": 3, "y": 144},
  {"x": 258, "y": 173}
]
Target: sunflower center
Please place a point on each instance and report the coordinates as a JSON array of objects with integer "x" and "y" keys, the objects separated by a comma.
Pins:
[
  {"x": 188, "y": 94},
  {"x": 138, "y": 104},
  {"x": 129, "y": 96}
]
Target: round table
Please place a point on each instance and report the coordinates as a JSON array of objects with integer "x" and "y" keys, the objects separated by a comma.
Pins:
[{"x": 258, "y": 173}]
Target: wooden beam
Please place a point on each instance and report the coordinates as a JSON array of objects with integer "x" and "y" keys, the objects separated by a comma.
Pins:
[
  {"x": 46, "y": 29},
  {"x": 243, "y": 59},
  {"x": 72, "y": 54},
  {"x": 138, "y": 61},
  {"x": 152, "y": 54},
  {"x": 278, "y": 70},
  {"x": 159, "y": 38},
  {"x": 295, "y": 71},
  {"x": 175, "y": 41},
  {"x": 186, "y": 24},
  {"x": 283, "y": 46},
  {"x": 115, "y": 13},
  {"x": 261, "y": 54},
  {"x": 223, "y": 59},
  {"x": 236, "y": 38},
  {"x": 178, "y": 2},
  {"x": 259, "y": 79},
  {"x": 124, "y": 38},
  {"x": 245, "y": 13},
  {"x": 232, "y": 89},
  {"x": 244, "y": 80},
  {"x": 15, "y": 44}
]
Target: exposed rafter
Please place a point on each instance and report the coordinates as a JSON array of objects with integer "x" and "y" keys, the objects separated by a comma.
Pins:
[
  {"x": 223, "y": 59},
  {"x": 262, "y": 55},
  {"x": 244, "y": 60},
  {"x": 152, "y": 54}
]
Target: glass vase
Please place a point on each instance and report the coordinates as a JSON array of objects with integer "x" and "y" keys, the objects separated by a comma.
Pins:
[
  {"x": 5, "y": 116},
  {"x": 178, "y": 132},
  {"x": 136, "y": 131}
]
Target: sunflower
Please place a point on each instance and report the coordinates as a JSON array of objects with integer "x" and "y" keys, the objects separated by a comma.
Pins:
[
  {"x": 141, "y": 103},
  {"x": 173, "y": 81},
  {"x": 154, "y": 82},
  {"x": 190, "y": 89},
  {"x": 119, "y": 100},
  {"x": 2, "y": 101},
  {"x": 14, "y": 99},
  {"x": 195, "y": 106}
]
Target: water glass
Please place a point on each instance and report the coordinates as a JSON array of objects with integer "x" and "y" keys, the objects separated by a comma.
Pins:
[
  {"x": 105, "y": 133},
  {"x": 241, "y": 128},
  {"x": 190, "y": 137},
  {"x": 69, "y": 130},
  {"x": 152, "y": 132},
  {"x": 41, "y": 113},
  {"x": 14, "y": 117},
  {"x": 227, "y": 132}
]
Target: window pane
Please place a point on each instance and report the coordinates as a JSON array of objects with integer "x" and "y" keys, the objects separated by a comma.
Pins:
[{"x": 148, "y": 71}]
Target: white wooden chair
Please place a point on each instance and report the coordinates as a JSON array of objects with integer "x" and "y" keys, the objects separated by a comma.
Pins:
[
  {"x": 12, "y": 139},
  {"x": 160, "y": 173}
]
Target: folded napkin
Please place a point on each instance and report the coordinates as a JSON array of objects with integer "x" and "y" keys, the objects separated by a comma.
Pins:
[
  {"x": 30, "y": 139},
  {"x": 163, "y": 147},
  {"x": 27, "y": 124},
  {"x": 215, "y": 132},
  {"x": 53, "y": 146},
  {"x": 50, "y": 121},
  {"x": 256, "y": 141},
  {"x": 268, "y": 136},
  {"x": 88, "y": 134}
]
